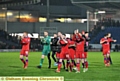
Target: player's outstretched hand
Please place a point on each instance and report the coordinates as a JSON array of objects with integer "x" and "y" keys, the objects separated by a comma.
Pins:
[
  {"x": 75, "y": 31},
  {"x": 115, "y": 40}
]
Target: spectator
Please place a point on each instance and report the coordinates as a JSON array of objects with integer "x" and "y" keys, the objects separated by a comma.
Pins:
[{"x": 116, "y": 48}]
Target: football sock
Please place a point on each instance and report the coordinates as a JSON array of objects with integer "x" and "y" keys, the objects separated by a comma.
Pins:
[
  {"x": 27, "y": 62},
  {"x": 86, "y": 64},
  {"x": 78, "y": 66},
  {"x": 59, "y": 66},
  {"x": 83, "y": 65},
  {"x": 22, "y": 60},
  {"x": 41, "y": 61},
  {"x": 108, "y": 60},
  {"x": 105, "y": 60}
]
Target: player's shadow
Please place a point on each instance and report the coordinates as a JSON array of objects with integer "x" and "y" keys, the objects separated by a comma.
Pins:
[{"x": 15, "y": 66}]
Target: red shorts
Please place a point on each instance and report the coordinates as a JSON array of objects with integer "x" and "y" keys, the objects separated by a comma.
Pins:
[
  {"x": 85, "y": 54},
  {"x": 106, "y": 51},
  {"x": 80, "y": 54},
  {"x": 71, "y": 54},
  {"x": 24, "y": 52},
  {"x": 64, "y": 54},
  {"x": 57, "y": 55}
]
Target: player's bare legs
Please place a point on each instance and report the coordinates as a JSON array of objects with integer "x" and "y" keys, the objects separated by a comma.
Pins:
[
  {"x": 26, "y": 63},
  {"x": 73, "y": 63},
  {"x": 78, "y": 65},
  {"x": 86, "y": 64},
  {"x": 108, "y": 60},
  {"x": 68, "y": 66},
  {"x": 83, "y": 64},
  {"x": 105, "y": 60},
  {"x": 22, "y": 59},
  {"x": 67, "y": 63},
  {"x": 59, "y": 65}
]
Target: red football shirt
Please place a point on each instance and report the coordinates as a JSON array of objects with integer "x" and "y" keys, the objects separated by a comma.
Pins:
[
  {"x": 64, "y": 45},
  {"x": 76, "y": 37},
  {"x": 70, "y": 42},
  {"x": 80, "y": 46},
  {"x": 25, "y": 43},
  {"x": 105, "y": 44},
  {"x": 110, "y": 39}
]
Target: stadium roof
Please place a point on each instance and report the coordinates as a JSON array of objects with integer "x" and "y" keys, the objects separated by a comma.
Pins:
[{"x": 97, "y": 4}]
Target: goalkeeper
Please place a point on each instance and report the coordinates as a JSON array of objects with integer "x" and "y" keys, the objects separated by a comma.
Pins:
[{"x": 46, "y": 49}]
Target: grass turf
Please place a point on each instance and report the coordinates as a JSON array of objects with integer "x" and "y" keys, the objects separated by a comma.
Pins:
[{"x": 10, "y": 65}]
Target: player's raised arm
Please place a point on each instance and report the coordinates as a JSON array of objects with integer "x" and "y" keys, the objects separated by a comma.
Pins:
[
  {"x": 102, "y": 41},
  {"x": 110, "y": 39}
]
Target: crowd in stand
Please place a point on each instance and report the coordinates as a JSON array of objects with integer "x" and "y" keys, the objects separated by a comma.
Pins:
[
  {"x": 117, "y": 48},
  {"x": 7, "y": 41},
  {"x": 101, "y": 24},
  {"x": 35, "y": 44},
  {"x": 108, "y": 22},
  {"x": 13, "y": 42}
]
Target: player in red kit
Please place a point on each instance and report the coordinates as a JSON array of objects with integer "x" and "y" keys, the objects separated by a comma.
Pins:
[
  {"x": 25, "y": 42},
  {"x": 79, "y": 50},
  {"x": 59, "y": 49},
  {"x": 64, "y": 51},
  {"x": 71, "y": 49},
  {"x": 106, "y": 49}
]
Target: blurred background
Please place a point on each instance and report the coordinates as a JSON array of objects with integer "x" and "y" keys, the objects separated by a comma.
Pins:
[{"x": 98, "y": 17}]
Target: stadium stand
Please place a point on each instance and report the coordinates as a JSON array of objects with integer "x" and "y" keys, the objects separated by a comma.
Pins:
[
  {"x": 115, "y": 31},
  {"x": 7, "y": 41},
  {"x": 13, "y": 42}
]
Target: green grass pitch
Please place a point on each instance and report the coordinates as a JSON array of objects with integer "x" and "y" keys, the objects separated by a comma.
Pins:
[{"x": 10, "y": 65}]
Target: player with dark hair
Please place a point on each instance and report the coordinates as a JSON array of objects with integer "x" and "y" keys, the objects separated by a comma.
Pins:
[
  {"x": 25, "y": 42},
  {"x": 54, "y": 48},
  {"x": 79, "y": 49},
  {"x": 86, "y": 37},
  {"x": 64, "y": 51},
  {"x": 106, "y": 49},
  {"x": 71, "y": 49},
  {"x": 58, "y": 49},
  {"x": 111, "y": 40}
]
